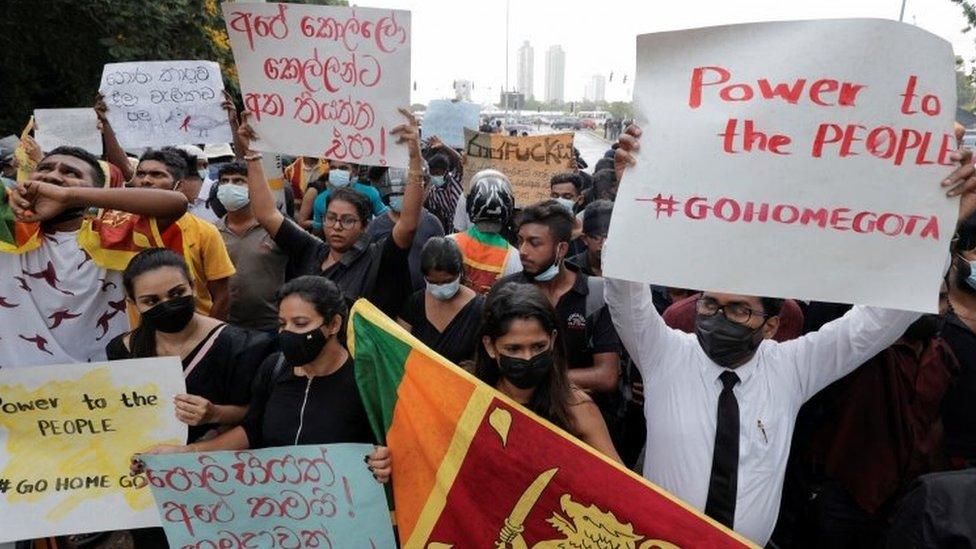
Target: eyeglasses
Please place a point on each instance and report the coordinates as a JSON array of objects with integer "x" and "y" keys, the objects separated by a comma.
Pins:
[
  {"x": 736, "y": 312},
  {"x": 344, "y": 222}
]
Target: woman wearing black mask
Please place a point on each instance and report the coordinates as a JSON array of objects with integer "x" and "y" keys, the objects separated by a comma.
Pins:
[
  {"x": 520, "y": 355},
  {"x": 307, "y": 393},
  {"x": 219, "y": 360}
]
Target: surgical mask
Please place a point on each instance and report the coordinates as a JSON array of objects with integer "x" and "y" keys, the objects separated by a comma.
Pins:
[
  {"x": 339, "y": 178},
  {"x": 203, "y": 173},
  {"x": 566, "y": 203},
  {"x": 233, "y": 197},
  {"x": 971, "y": 279},
  {"x": 438, "y": 180},
  {"x": 727, "y": 343},
  {"x": 548, "y": 274},
  {"x": 526, "y": 374},
  {"x": 444, "y": 292},
  {"x": 171, "y": 315},
  {"x": 301, "y": 348},
  {"x": 396, "y": 203}
]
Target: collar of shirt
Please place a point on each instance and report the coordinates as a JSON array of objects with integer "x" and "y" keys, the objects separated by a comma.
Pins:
[
  {"x": 358, "y": 249},
  {"x": 712, "y": 371},
  {"x": 221, "y": 225}
]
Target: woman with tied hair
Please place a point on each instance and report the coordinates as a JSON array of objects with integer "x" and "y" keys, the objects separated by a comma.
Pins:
[
  {"x": 521, "y": 356},
  {"x": 445, "y": 315}
]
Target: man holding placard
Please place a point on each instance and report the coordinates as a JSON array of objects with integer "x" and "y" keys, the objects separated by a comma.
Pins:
[{"x": 721, "y": 405}]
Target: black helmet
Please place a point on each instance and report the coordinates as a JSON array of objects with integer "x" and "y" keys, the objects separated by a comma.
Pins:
[{"x": 490, "y": 197}]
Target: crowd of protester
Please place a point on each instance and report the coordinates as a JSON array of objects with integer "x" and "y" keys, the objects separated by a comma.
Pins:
[{"x": 796, "y": 423}]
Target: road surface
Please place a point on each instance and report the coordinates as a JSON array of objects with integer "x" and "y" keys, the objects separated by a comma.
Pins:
[{"x": 591, "y": 147}]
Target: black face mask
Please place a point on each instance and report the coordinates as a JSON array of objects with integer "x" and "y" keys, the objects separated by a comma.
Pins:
[
  {"x": 301, "y": 348},
  {"x": 728, "y": 344},
  {"x": 171, "y": 315},
  {"x": 525, "y": 374},
  {"x": 925, "y": 328}
]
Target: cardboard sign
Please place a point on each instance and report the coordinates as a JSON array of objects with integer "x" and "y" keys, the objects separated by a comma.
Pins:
[
  {"x": 157, "y": 103},
  {"x": 67, "y": 434},
  {"x": 323, "y": 81},
  {"x": 529, "y": 162},
  {"x": 796, "y": 159},
  {"x": 295, "y": 496},
  {"x": 54, "y": 128},
  {"x": 448, "y": 119}
]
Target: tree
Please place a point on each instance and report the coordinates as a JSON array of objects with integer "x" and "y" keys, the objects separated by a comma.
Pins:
[
  {"x": 54, "y": 50},
  {"x": 965, "y": 87},
  {"x": 621, "y": 110}
]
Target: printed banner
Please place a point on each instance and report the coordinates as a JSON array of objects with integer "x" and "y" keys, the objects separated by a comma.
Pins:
[
  {"x": 472, "y": 468},
  {"x": 448, "y": 119},
  {"x": 157, "y": 103},
  {"x": 797, "y": 159},
  {"x": 529, "y": 161},
  {"x": 54, "y": 128},
  {"x": 323, "y": 81},
  {"x": 67, "y": 435},
  {"x": 296, "y": 496}
]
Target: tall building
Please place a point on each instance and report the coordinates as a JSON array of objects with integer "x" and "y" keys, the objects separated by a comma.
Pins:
[
  {"x": 462, "y": 89},
  {"x": 596, "y": 89},
  {"x": 555, "y": 73},
  {"x": 526, "y": 65}
]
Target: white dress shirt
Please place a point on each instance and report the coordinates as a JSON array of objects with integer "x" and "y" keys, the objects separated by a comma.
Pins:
[{"x": 681, "y": 390}]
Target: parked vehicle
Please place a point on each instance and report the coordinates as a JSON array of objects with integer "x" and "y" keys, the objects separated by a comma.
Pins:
[{"x": 566, "y": 124}]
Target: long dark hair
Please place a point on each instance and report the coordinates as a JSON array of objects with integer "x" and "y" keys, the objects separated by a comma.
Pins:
[
  {"x": 512, "y": 302},
  {"x": 142, "y": 340}
]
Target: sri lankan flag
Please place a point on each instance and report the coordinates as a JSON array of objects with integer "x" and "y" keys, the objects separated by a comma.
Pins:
[{"x": 472, "y": 468}]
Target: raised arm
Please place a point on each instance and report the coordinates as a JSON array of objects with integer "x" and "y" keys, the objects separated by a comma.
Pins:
[
  {"x": 231, "y": 109},
  {"x": 35, "y": 201},
  {"x": 413, "y": 196},
  {"x": 114, "y": 154},
  {"x": 262, "y": 200}
]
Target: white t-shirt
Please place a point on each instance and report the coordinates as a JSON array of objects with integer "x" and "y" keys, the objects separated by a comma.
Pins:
[{"x": 57, "y": 306}]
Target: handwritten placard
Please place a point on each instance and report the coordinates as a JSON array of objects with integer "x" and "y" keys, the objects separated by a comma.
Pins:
[
  {"x": 67, "y": 434},
  {"x": 796, "y": 159},
  {"x": 296, "y": 496},
  {"x": 157, "y": 103},
  {"x": 54, "y": 128},
  {"x": 448, "y": 119},
  {"x": 323, "y": 81},
  {"x": 528, "y": 161}
]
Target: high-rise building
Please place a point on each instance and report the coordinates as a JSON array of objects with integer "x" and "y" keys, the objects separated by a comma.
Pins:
[
  {"x": 555, "y": 73},
  {"x": 596, "y": 89},
  {"x": 462, "y": 89},
  {"x": 526, "y": 66}
]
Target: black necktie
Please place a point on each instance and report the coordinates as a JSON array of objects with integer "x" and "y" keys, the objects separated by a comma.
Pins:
[{"x": 725, "y": 459}]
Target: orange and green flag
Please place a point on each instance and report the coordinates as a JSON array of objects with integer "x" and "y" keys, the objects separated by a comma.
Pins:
[{"x": 472, "y": 468}]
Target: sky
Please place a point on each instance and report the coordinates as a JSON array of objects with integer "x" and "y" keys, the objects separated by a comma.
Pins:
[{"x": 465, "y": 39}]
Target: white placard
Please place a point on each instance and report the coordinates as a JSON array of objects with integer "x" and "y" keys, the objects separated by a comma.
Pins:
[
  {"x": 67, "y": 434},
  {"x": 54, "y": 128},
  {"x": 323, "y": 81},
  {"x": 157, "y": 103},
  {"x": 837, "y": 200},
  {"x": 448, "y": 119}
]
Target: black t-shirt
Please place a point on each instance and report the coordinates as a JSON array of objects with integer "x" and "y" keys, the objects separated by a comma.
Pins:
[
  {"x": 959, "y": 405},
  {"x": 582, "y": 337},
  {"x": 378, "y": 271},
  {"x": 459, "y": 339},
  {"x": 223, "y": 375},
  {"x": 327, "y": 409}
]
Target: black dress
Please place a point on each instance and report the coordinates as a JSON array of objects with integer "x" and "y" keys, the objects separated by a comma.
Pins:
[
  {"x": 224, "y": 375},
  {"x": 287, "y": 409},
  {"x": 459, "y": 340}
]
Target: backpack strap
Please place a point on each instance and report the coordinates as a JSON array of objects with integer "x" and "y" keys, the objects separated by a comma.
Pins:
[{"x": 203, "y": 350}]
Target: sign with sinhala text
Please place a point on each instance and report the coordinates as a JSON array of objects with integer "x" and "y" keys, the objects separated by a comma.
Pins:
[
  {"x": 323, "y": 81},
  {"x": 295, "y": 496},
  {"x": 796, "y": 159},
  {"x": 157, "y": 103},
  {"x": 67, "y": 434},
  {"x": 528, "y": 161}
]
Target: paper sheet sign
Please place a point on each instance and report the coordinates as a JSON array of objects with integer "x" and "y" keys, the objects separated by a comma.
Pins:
[
  {"x": 67, "y": 434},
  {"x": 157, "y": 103},
  {"x": 796, "y": 159},
  {"x": 296, "y": 496},
  {"x": 323, "y": 81},
  {"x": 528, "y": 161},
  {"x": 448, "y": 119},
  {"x": 73, "y": 127}
]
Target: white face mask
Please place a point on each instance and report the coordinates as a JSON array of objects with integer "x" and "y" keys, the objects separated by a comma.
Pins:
[
  {"x": 445, "y": 292},
  {"x": 203, "y": 173},
  {"x": 233, "y": 197},
  {"x": 566, "y": 203}
]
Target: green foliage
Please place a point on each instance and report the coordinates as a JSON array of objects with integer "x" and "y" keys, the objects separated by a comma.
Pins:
[{"x": 54, "y": 50}]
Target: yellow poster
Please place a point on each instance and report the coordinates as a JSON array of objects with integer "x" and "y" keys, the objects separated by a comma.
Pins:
[
  {"x": 528, "y": 161},
  {"x": 67, "y": 434}
]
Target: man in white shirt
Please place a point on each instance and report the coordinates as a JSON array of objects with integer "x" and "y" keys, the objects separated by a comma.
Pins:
[{"x": 721, "y": 404}]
